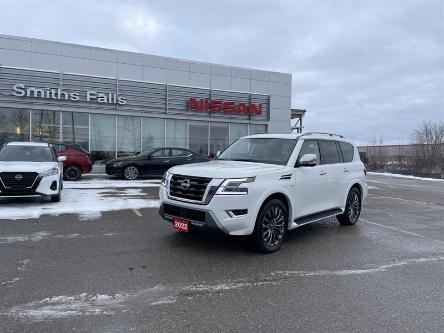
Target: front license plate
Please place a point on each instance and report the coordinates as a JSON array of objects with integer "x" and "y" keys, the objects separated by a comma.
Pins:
[{"x": 180, "y": 225}]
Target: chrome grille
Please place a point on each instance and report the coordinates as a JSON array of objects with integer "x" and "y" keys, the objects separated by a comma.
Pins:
[
  {"x": 18, "y": 180},
  {"x": 195, "y": 191}
]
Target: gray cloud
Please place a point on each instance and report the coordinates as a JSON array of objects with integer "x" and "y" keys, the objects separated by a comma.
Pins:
[{"x": 364, "y": 69}]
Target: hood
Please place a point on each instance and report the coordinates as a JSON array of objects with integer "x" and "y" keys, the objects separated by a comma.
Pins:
[
  {"x": 224, "y": 169},
  {"x": 26, "y": 166}
]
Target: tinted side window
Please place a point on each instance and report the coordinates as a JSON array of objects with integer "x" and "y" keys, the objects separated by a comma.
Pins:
[
  {"x": 329, "y": 152},
  {"x": 161, "y": 153},
  {"x": 348, "y": 151},
  {"x": 179, "y": 153},
  {"x": 310, "y": 147},
  {"x": 59, "y": 148}
]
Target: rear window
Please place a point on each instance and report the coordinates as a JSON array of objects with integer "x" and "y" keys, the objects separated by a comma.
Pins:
[
  {"x": 329, "y": 152},
  {"x": 348, "y": 151},
  {"x": 79, "y": 149}
]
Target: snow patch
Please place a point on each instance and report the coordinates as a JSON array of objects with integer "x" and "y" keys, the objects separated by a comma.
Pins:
[
  {"x": 386, "y": 174},
  {"x": 111, "y": 183},
  {"x": 86, "y": 203},
  {"x": 34, "y": 237}
]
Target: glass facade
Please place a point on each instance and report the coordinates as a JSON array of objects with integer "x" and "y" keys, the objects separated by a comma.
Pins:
[
  {"x": 108, "y": 136},
  {"x": 128, "y": 135},
  {"x": 14, "y": 125},
  {"x": 153, "y": 133},
  {"x": 102, "y": 136}
]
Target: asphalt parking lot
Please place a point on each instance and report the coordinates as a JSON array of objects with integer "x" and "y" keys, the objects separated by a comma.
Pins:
[{"x": 126, "y": 270}]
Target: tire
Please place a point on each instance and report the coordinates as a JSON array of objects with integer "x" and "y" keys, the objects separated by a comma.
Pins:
[
  {"x": 352, "y": 208},
  {"x": 271, "y": 226},
  {"x": 131, "y": 172},
  {"x": 72, "y": 172},
  {"x": 56, "y": 198}
]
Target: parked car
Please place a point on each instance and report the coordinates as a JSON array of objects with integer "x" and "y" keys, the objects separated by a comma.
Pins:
[
  {"x": 152, "y": 163},
  {"x": 264, "y": 185},
  {"x": 78, "y": 160},
  {"x": 29, "y": 169}
]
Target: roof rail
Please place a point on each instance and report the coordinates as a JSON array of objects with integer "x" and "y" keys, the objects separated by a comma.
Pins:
[{"x": 330, "y": 134}]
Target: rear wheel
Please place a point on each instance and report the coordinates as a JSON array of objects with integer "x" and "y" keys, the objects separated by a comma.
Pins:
[
  {"x": 131, "y": 172},
  {"x": 352, "y": 208},
  {"x": 271, "y": 226},
  {"x": 72, "y": 172}
]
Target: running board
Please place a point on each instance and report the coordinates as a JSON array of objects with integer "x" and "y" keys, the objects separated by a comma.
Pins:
[{"x": 317, "y": 216}]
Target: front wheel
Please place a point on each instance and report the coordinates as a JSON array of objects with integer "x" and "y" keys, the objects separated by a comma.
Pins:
[
  {"x": 352, "y": 208},
  {"x": 131, "y": 172},
  {"x": 271, "y": 226},
  {"x": 72, "y": 173},
  {"x": 56, "y": 198}
]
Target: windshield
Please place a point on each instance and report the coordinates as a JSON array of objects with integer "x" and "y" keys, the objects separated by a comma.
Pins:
[
  {"x": 261, "y": 150},
  {"x": 26, "y": 154}
]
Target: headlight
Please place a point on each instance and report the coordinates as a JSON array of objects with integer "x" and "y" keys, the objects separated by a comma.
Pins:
[
  {"x": 232, "y": 186},
  {"x": 50, "y": 172},
  {"x": 165, "y": 179},
  {"x": 116, "y": 164}
]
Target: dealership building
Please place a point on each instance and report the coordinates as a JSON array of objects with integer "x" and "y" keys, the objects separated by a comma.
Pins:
[{"x": 116, "y": 103}]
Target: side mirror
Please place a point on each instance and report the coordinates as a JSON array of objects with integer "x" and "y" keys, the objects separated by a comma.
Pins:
[
  {"x": 308, "y": 160},
  {"x": 61, "y": 158},
  {"x": 218, "y": 153}
]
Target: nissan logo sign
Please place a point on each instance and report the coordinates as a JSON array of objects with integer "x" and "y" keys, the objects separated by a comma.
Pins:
[
  {"x": 18, "y": 177},
  {"x": 185, "y": 184}
]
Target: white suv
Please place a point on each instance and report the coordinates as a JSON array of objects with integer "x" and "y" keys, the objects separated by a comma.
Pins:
[
  {"x": 29, "y": 169},
  {"x": 264, "y": 185}
]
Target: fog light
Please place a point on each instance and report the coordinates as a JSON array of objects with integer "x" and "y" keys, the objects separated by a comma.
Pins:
[
  {"x": 53, "y": 186},
  {"x": 237, "y": 212}
]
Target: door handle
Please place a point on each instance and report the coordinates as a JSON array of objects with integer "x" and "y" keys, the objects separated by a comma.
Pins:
[
  {"x": 345, "y": 170},
  {"x": 166, "y": 161},
  {"x": 322, "y": 173}
]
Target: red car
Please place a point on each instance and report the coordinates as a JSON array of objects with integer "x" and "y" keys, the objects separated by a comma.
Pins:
[{"x": 77, "y": 159}]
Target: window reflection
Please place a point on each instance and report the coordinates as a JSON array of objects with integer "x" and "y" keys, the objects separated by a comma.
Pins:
[
  {"x": 218, "y": 138},
  {"x": 199, "y": 137},
  {"x": 128, "y": 135},
  {"x": 45, "y": 125},
  {"x": 14, "y": 125},
  {"x": 153, "y": 133},
  {"x": 103, "y": 136},
  {"x": 76, "y": 128},
  {"x": 176, "y": 133}
]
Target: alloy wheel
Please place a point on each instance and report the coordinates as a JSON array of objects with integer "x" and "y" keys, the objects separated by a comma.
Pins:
[
  {"x": 354, "y": 206},
  {"x": 131, "y": 173},
  {"x": 273, "y": 226}
]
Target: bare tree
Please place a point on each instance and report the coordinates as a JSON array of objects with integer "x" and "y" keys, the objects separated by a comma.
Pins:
[{"x": 429, "y": 153}]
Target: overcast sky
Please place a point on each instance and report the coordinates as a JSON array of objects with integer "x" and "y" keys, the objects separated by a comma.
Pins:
[{"x": 361, "y": 68}]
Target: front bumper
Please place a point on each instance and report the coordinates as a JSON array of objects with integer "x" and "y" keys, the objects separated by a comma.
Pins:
[
  {"x": 113, "y": 171},
  {"x": 214, "y": 215},
  {"x": 40, "y": 187}
]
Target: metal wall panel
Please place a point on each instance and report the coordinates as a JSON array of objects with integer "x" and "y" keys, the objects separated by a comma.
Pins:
[{"x": 141, "y": 97}]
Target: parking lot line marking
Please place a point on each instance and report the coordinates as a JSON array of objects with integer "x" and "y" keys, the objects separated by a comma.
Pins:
[
  {"x": 137, "y": 212},
  {"x": 400, "y": 230},
  {"x": 402, "y": 199}
]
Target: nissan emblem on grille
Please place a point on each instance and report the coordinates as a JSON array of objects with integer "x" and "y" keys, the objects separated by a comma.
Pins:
[
  {"x": 185, "y": 184},
  {"x": 18, "y": 177}
]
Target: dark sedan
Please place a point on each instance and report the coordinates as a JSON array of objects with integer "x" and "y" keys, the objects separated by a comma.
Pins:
[{"x": 152, "y": 163}]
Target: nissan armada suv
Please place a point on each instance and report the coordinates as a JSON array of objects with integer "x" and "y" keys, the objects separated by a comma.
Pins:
[{"x": 264, "y": 185}]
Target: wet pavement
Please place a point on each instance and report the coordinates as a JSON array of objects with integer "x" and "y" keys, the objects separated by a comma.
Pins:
[{"x": 128, "y": 271}]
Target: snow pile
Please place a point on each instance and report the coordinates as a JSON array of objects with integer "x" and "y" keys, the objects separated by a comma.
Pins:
[
  {"x": 387, "y": 174},
  {"x": 86, "y": 199}
]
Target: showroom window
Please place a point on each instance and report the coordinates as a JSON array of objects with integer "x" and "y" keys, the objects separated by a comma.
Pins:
[
  {"x": 103, "y": 136},
  {"x": 176, "y": 133},
  {"x": 237, "y": 131},
  {"x": 153, "y": 133},
  {"x": 218, "y": 137},
  {"x": 14, "y": 125},
  {"x": 257, "y": 129},
  {"x": 128, "y": 135},
  {"x": 75, "y": 128},
  {"x": 198, "y": 141},
  {"x": 45, "y": 125}
]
